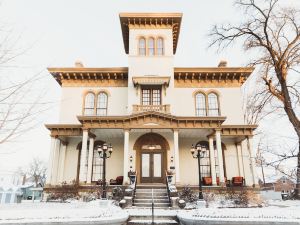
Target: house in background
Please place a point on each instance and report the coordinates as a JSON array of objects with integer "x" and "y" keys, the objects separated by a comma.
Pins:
[{"x": 152, "y": 113}]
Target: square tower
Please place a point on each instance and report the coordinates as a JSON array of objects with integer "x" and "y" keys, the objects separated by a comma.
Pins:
[{"x": 150, "y": 40}]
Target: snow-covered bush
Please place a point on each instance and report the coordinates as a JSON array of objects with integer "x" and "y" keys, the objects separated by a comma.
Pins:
[
  {"x": 117, "y": 193},
  {"x": 187, "y": 194}
]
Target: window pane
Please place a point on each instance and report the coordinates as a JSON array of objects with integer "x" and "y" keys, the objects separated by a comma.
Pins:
[
  {"x": 213, "y": 106},
  {"x": 145, "y": 165},
  {"x": 156, "y": 97},
  {"x": 145, "y": 96},
  {"x": 142, "y": 46},
  {"x": 97, "y": 167},
  {"x": 160, "y": 46},
  {"x": 157, "y": 165},
  {"x": 200, "y": 105},
  {"x": 151, "y": 46},
  {"x": 89, "y": 104},
  {"x": 102, "y": 104}
]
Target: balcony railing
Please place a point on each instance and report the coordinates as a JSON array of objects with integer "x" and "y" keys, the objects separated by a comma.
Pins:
[{"x": 145, "y": 108}]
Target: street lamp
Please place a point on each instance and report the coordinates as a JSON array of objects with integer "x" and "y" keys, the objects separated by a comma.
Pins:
[
  {"x": 198, "y": 153},
  {"x": 104, "y": 152}
]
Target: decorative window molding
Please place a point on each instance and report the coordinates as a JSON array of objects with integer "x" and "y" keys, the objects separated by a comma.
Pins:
[
  {"x": 95, "y": 103},
  {"x": 142, "y": 46},
  {"x": 160, "y": 46},
  {"x": 151, "y": 46},
  {"x": 207, "y": 103},
  {"x": 89, "y": 104}
]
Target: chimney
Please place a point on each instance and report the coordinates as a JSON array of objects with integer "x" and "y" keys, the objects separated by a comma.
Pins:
[
  {"x": 222, "y": 63},
  {"x": 78, "y": 64}
]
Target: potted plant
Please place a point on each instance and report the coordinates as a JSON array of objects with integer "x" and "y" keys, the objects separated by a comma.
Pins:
[
  {"x": 132, "y": 176},
  {"x": 169, "y": 174}
]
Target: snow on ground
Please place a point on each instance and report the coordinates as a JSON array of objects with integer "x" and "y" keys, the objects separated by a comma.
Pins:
[
  {"x": 51, "y": 212},
  {"x": 287, "y": 211}
]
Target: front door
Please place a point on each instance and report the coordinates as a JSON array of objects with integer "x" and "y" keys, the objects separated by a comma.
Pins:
[{"x": 151, "y": 167}]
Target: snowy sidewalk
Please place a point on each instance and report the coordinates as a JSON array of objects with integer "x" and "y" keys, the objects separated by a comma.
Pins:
[{"x": 64, "y": 213}]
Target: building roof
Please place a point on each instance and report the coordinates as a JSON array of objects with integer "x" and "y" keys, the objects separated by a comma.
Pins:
[{"x": 173, "y": 20}]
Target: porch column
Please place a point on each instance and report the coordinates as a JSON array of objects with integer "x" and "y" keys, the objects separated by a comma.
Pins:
[
  {"x": 54, "y": 177},
  {"x": 239, "y": 159},
  {"x": 212, "y": 160},
  {"x": 82, "y": 172},
  {"x": 176, "y": 156},
  {"x": 252, "y": 159},
  {"x": 90, "y": 160},
  {"x": 126, "y": 156},
  {"x": 220, "y": 157},
  {"x": 62, "y": 157},
  {"x": 50, "y": 163}
]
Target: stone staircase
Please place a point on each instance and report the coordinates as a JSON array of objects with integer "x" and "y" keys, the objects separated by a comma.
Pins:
[{"x": 141, "y": 212}]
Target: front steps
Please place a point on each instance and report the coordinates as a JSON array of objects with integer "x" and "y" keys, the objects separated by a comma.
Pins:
[{"x": 141, "y": 212}]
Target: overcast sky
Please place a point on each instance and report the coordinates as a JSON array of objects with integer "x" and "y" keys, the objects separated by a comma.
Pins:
[{"x": 59, "y": 32}]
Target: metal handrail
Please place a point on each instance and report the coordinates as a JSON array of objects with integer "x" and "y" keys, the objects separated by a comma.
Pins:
[
  {"x": 152, "y": 208},
  {"x": 134, "y": 190},
  {"x": 168, "y": 189}
]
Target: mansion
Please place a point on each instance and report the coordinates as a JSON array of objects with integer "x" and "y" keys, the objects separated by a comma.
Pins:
[{"x": 151, "y": 113}]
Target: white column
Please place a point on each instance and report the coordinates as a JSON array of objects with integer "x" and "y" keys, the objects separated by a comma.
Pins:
[
  {"x": 126, "y": 156},
  {"x": 239, "y": 158},
  {"x": 252, "y": 159},
  {"x": 50, "y": 162},
  {"x": 212, "y": 160},
  {"x": 54, "y": 172},
  {"x": 90, "y": 160},
  {"x": 62, "y": 158},
  {"x": 82, "y": 172},
  {"x": 176, "y": 156},
  {"x": 220, "y": 157}
]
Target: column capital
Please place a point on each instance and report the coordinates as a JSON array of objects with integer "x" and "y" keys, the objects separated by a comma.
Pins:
[
  {"x": 249, "y": 136},
  {"x": 85, "y": 129},
  {"x": 91, "y": 135},
  {"x": 126, "y": 129},
  {"x": 218, "y": 129},
  {"x": 175, "y": 129}
]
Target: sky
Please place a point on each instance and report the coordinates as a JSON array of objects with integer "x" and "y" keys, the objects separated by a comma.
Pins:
[{"x": 57, "y": 33}]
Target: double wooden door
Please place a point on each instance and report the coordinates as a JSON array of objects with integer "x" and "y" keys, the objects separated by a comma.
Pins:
[{"x": 152, "y": 167}]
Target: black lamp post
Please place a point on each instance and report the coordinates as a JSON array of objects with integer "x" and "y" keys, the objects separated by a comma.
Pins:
[
  {"x": 104, "y": 152},
  {"x": 198, "y": 153}
]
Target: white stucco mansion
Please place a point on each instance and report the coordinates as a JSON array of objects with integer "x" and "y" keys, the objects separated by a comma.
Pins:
[{"x": 151, "y": 112}]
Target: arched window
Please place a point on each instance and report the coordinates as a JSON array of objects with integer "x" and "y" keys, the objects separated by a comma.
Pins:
[
  {"x": 142, "y": 46},
  {"x": 200, "y": 104},
  {"x": 160, "y": 46},
  {"x": 101, "y": 104},
  {"x": 151, "y": 46},
  {"x": 89, "y": 104},
  {"x": 213, "y": 105}
]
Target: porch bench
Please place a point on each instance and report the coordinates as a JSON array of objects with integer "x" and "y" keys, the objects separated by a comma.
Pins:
[
  {"x": 238, "y": 181},
  {"x": 207, "y": 181},
  {"x": 117, "y": 181}
]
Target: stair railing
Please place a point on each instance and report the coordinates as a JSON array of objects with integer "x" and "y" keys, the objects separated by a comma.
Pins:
[
  {"x": 168, "y": 189},
  {"x": 152, "y": 208},
  {"x": 134, "y": 188}
]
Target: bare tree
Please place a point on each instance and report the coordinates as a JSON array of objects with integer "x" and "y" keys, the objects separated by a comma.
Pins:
[
  {"x": 20, "y": 102},
  {"x": 37, "y": 171},
  {"x": 273, "y": 32}
]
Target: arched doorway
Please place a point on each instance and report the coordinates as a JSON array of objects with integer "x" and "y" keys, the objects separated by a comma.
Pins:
[{"x": 151, "y": 158}]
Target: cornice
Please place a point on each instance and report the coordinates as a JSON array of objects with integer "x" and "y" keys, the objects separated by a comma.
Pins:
[{"x": 149, "y": 20}]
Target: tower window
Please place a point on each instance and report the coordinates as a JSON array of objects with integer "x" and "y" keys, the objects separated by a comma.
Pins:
[
  {"x": 151, "y": 46},
  {"x": 142, "y": 46},
  {"x": 160, "y": 46}
]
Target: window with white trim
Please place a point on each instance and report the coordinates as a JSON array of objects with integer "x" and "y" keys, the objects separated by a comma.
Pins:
[
  {"x": 89, "y": 104},
  {"x": 160, "y": 46},
  {"x": 213, "y": 105},
  {"x": 200, "y": 104},
  {"x": 101, "y": 104},
  {"x": 142, "y": 46}
]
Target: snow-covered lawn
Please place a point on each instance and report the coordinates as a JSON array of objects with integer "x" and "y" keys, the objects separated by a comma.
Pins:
[
  {"x": 101, "y": 211},
  {"x": 275, "y": 211}
]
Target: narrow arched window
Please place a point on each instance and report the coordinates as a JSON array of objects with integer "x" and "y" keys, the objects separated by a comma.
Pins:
[
  {"x": 101, "y": 104},
  {"x": 200, "y": 105},
  {"x": 142, "y": 46},
  {"x": 89, "y": 104},
  {"x": 213, "y": 105},
  {"x": 151, "y": 46},
  {"x": 160, "y": 46}
]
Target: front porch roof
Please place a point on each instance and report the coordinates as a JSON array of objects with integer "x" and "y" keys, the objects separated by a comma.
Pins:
[{"x": 150, "y": 120}]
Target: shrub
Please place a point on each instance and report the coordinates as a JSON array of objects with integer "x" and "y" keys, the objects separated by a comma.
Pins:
[{"x": 187, "y": 194}]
